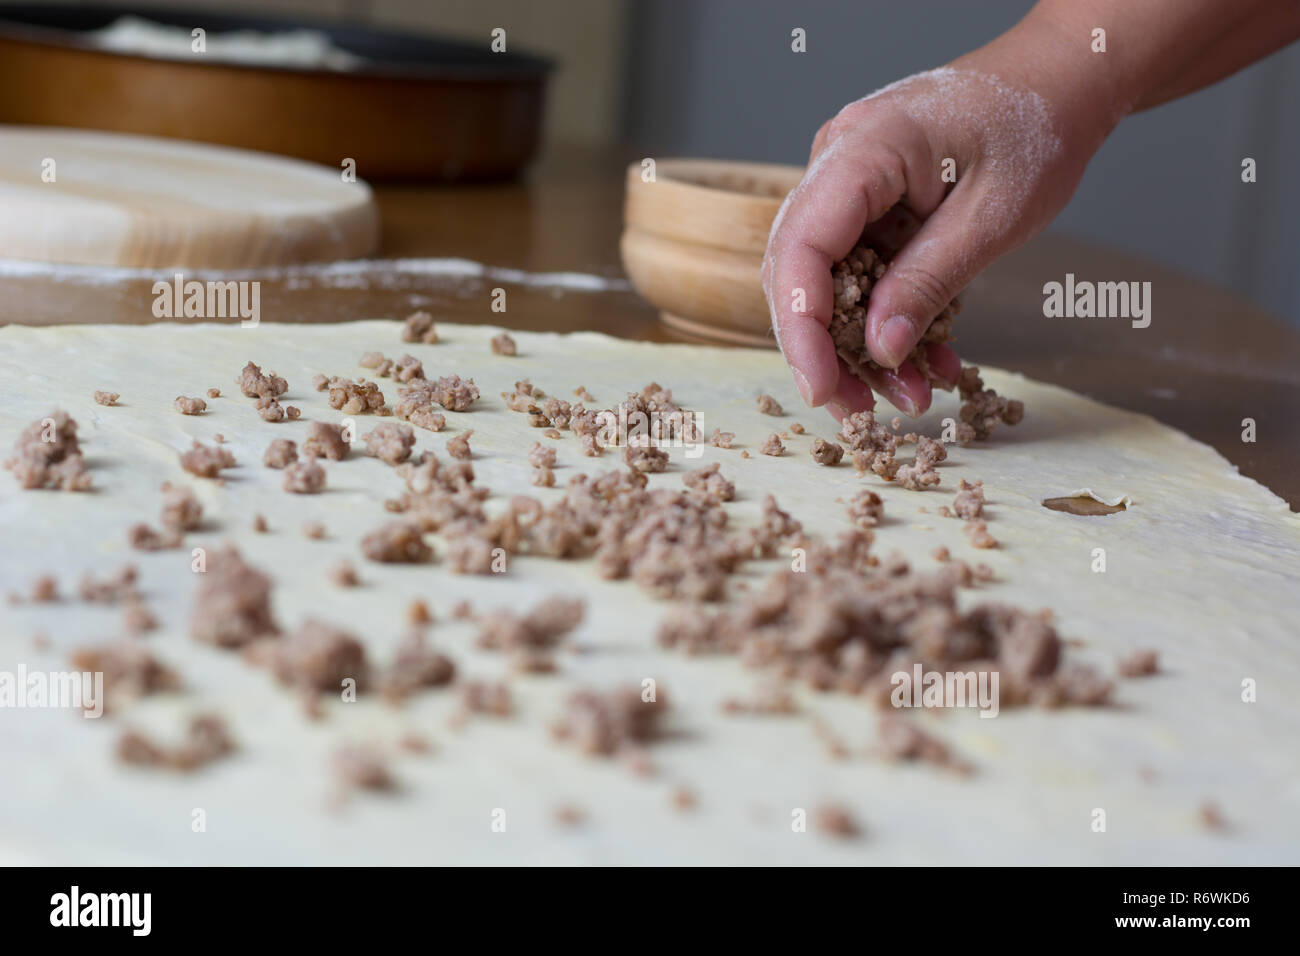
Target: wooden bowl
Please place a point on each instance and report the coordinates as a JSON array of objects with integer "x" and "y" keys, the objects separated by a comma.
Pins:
[{"x": 693, "y": 242}]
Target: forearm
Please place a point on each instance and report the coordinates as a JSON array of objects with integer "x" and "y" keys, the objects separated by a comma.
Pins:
[{"x": 1159, "y": 50}]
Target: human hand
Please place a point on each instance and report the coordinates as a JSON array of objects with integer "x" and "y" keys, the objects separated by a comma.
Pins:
[{"x": 1017, "y": 136}]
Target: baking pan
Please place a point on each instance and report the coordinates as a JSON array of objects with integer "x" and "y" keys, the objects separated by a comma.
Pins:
[{"x": 417, "y": 108}]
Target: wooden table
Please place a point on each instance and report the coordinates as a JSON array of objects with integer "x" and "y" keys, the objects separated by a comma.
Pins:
[{"x": 1207, "y": 361}]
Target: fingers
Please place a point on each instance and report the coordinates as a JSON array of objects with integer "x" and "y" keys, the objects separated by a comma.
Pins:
[
  {"x": 904, "y": 387},
  {"x": 820, "y": 223},
  {"x": 944, "y": 363},
  {"x": 851, "y": 393},
  {"x": 925, "y": 275}
]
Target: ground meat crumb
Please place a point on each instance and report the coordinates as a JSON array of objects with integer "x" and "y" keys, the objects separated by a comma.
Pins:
[
  {"x": 836, "y": 820},
  {"x": 189, "y": 406},
  {"x": 206, "y": 461},
  {"x": 539, "y": 456},
  {"x": 305, "y": 477},
  {"x": 454, "y": 393},
  {"x": 214, "y": 393},
  {"x": 144, "y": 538},
  {"x": 45, "y": 590},
  {"x": 47, "y": 454},
  {"x": 684, "y": 799},
  {"x": 1211, "y": 816},
  {"x": 901, "y": 739},
  {"x": 929, "y": 451},
  {"x": 866, "y": 509},
  {"x": 416, "y": 666},
  {"x": 458, "y": 447},
  {"x": 130, "y": 672},
  {"x": 419, "y": 327},
  {"x": 344, "y": 575},
  {"x": 1139, "y": 664},
  {"x": 722, "y": 439},
  {"x": 796, "y": 428},
  {"x": 232, "y": 605},
  {"x": 941, "y": 555},
  {"x": 917, "y": 475},
  {"x": 983, "y": 408},
  {"x": 259, "y": 524},
  {"x": 181, "y": 510},
  {"x": 769, "y": 405},
  {"x": 462, "y": 611},
  {"x": 569, "y": 815},
  {"x": 873, "y": 445},
  {"x": 969, "y": 503},
  {"x": 543, "y": 477},
  {"x": 405, "y": 369},
  {"x": 362, "y": 768},
  {"x": 390, "y": 442},
  {"x": 109, "y": 590},
  {"x": 320, "y": 382},
  {"x": 601, "y": 724},
  {"x": 826, "y": 452},
  {"x": 644, "y": 457},
  {"x": 503, "y": 344},
  {"x": 253, "y": 384},
  {"x": 314, "y": 530},
  {"x": 355, "y": 398},
  {"x": 326, "y": 441},
  {"x": 107, "y": 398},
  {"x": 582, "y": 393},
  {"x": 398, "y": 542},
  {"x": 853, "y": 278},
  {"x": 978, "y": 532},
  {"x": 270, "y": 410},
  {"x": 486, "y": 697},
  {"x": 709, "y": 483},
  {"x": 320, "y": 657},
  {"x": 280, "y": 453},
  {"x": 206, "y": 740},
  {"x": 772, "y": 446},
  {"x": 418, "y": 613}
]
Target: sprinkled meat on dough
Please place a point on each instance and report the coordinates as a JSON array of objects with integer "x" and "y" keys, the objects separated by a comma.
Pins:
[
  {"x": 826, "y": 452},
  {"x": 326, "y": 441},
  {"x": 419, "y": 327},
  {"x": 305, "y": 477},
  {"x": 280, "y": 453},
  {"x": 48, "y": 455},
  {"x": 189, "y": 406},
  {"x": 206, "y": 461}
]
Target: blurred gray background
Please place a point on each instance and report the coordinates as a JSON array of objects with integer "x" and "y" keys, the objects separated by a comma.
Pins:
[{"x": 718, "y": 78}]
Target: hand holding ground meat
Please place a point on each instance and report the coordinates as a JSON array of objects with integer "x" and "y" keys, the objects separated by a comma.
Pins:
[{"x": 1016, "y": 122}]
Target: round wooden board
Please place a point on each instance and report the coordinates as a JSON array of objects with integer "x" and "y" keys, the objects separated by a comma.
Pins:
[{"x": 108, "y": 199}]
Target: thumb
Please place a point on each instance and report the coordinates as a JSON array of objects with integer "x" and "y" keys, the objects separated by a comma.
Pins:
[{"x": 926, "y": 274}]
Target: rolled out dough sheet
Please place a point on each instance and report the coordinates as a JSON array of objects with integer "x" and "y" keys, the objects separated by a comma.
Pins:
[{"x": 1201, "y": 567}]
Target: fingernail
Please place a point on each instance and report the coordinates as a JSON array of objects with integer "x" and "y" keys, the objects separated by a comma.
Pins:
[
  {"x": 895, "y": 339},
  {"x": 838, "y": 411},
  {"x": 801, "y": 383},
  {"x": 903, "y": 403}
]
